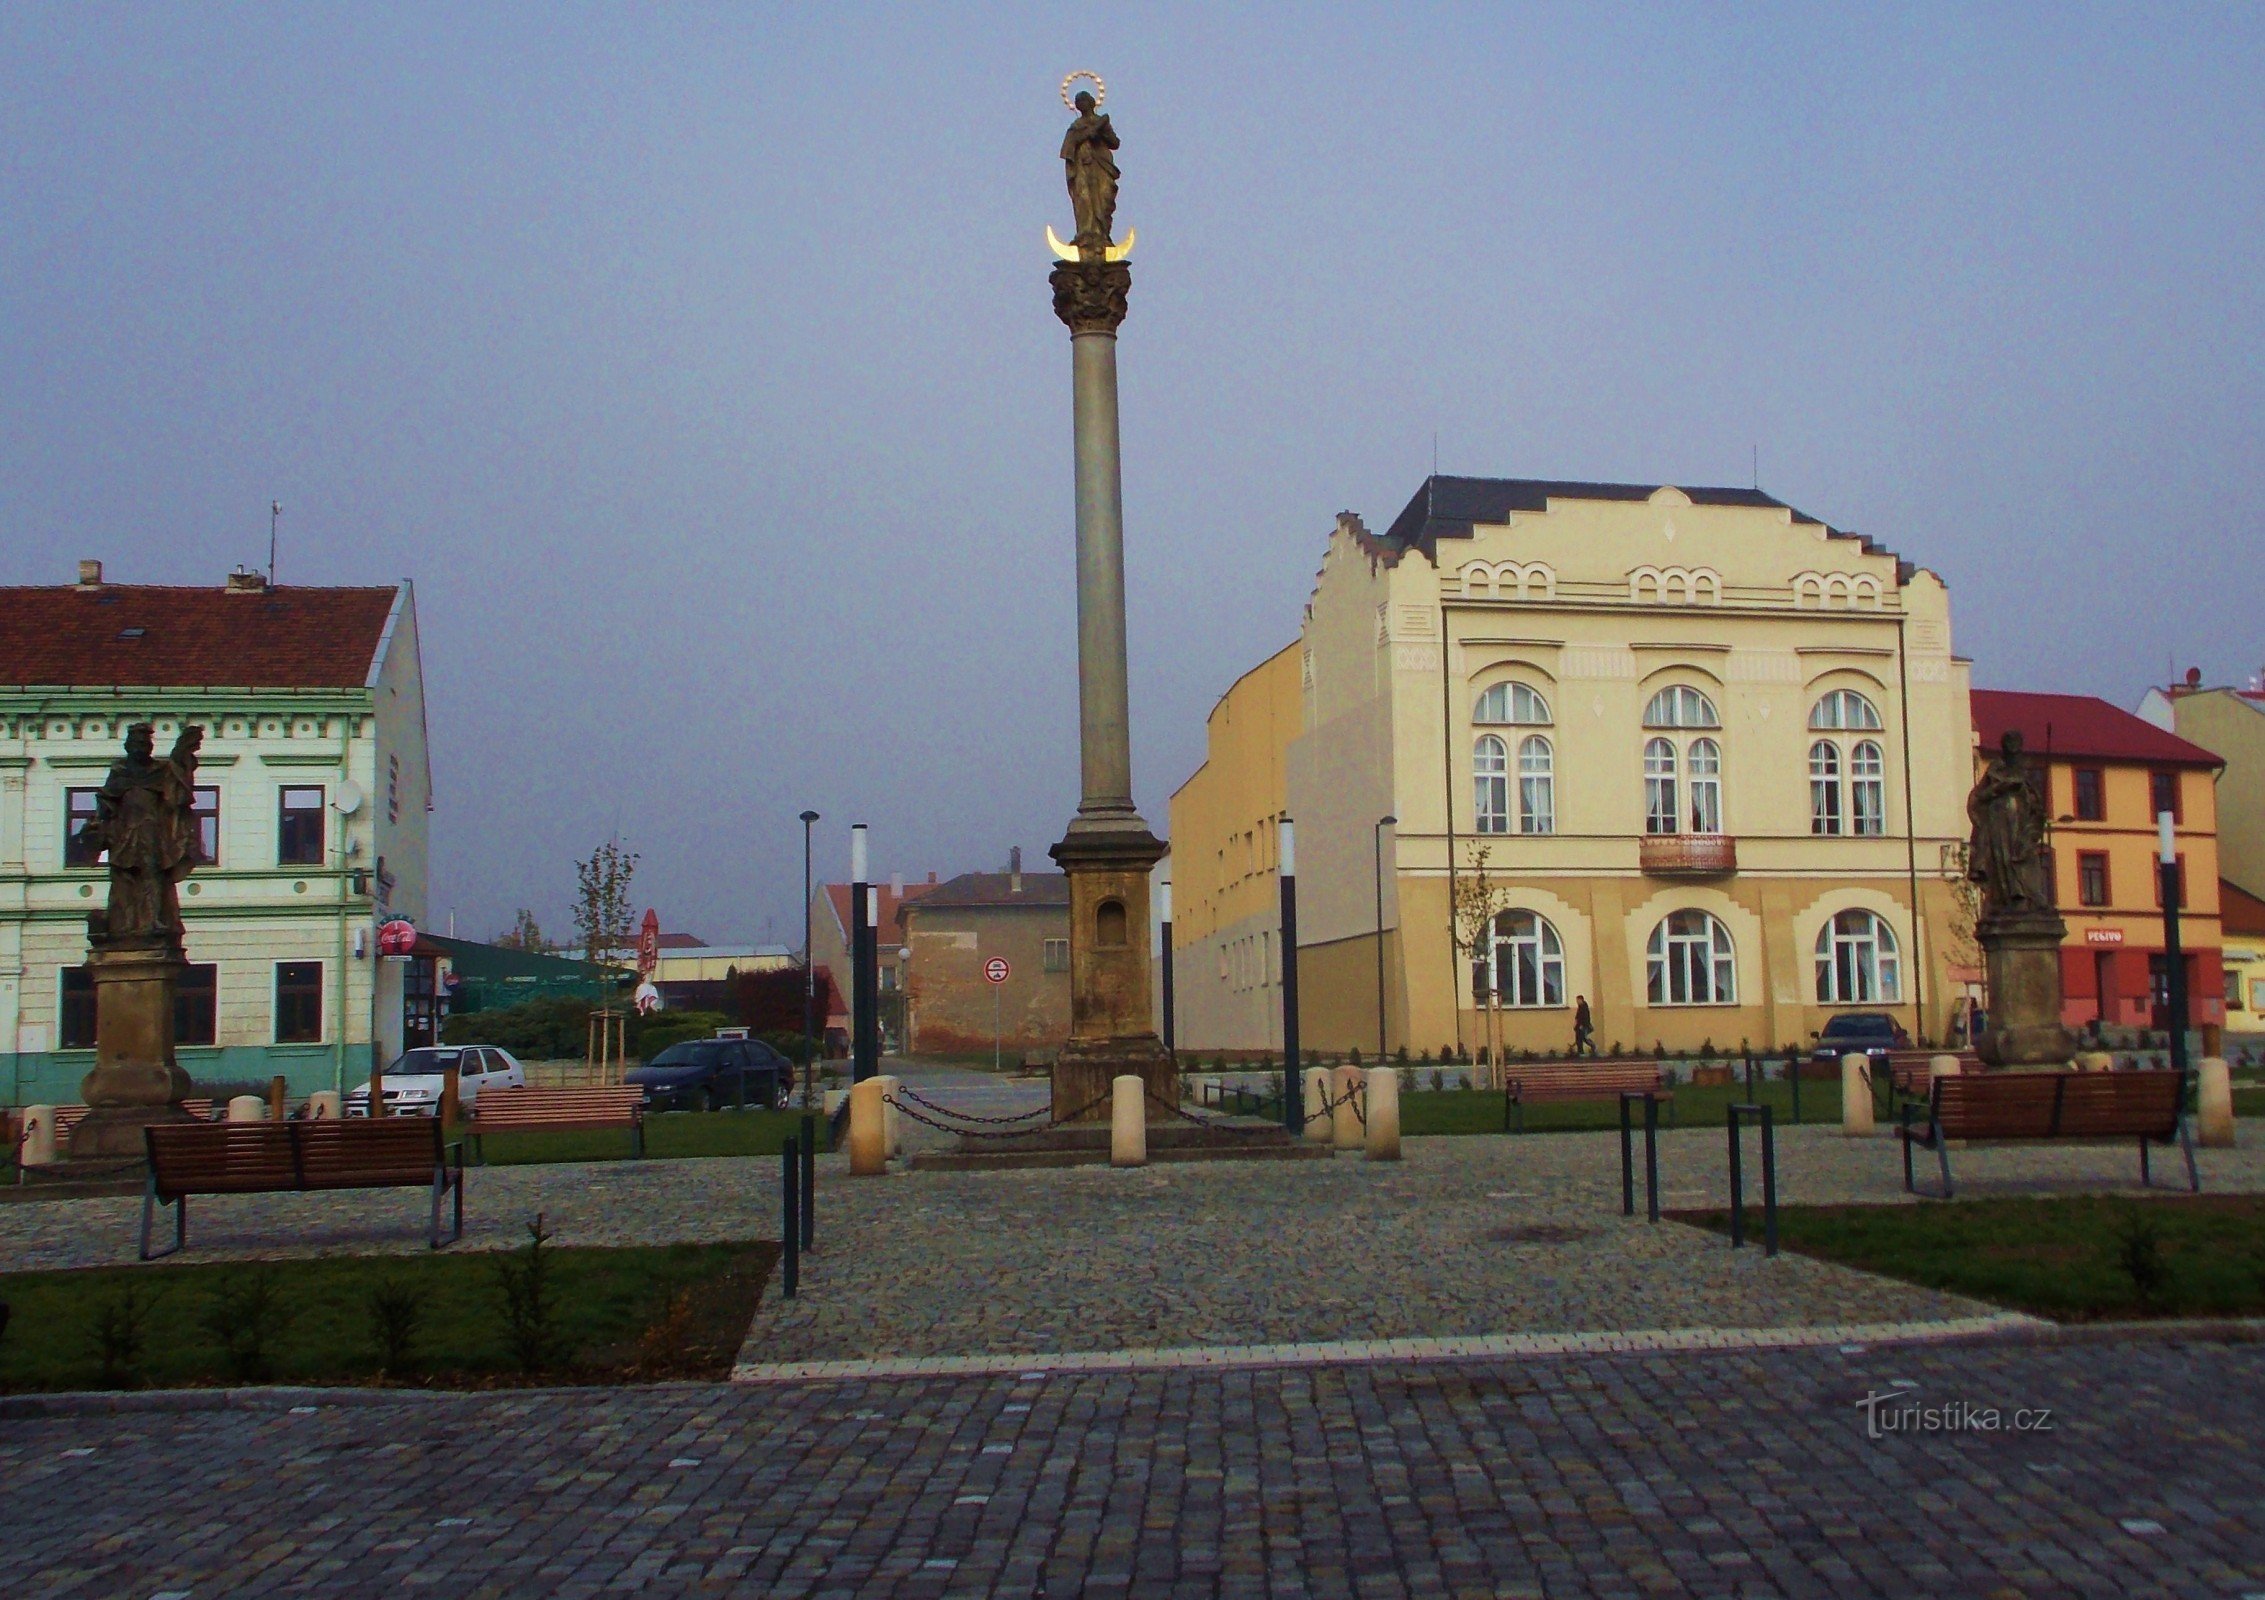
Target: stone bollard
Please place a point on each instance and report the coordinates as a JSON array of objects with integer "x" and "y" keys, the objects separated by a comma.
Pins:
[
  {"x": 247, "y": 1108},
  {"x": 38, "y": 1146},
  {"x": 1344, "y": 1111},
  {"x": 324, "y": 1106},
  {"x": 1128, "y": 1121},
  {"x": 1943, "y": 1066},
  {"x": 892, "y": 1126},
  {"x": 1317, "y": 1125},
  {"x": 2095, "y": 1061},
  {"x": 2214, "y": 1104},
  {"x": 1856, "y": 1095},
  {"x": 1384, "y": 1115},
  {"x": 868, "y": 1131}
]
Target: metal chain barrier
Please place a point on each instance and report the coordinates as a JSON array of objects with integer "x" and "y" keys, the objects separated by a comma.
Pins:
[
  {"x": 969, "y": 1116},
  {"x": 1223, "y": 1126},
  {"x": 985, "y": 1133}
]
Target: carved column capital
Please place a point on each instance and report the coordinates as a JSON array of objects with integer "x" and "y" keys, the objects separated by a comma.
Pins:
[{"x": 1089, "y": 296}]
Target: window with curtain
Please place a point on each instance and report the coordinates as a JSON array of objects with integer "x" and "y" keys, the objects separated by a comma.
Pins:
[
  {"x": 1529, "y": 960},
  {"x": 1867, "y": 788},
  {"x": 1691, "y": 962},
  {"x": 1702, "y": 765},
  {"x": 1660, "y": 812},
  {"x": 1680, "y": 706},
  {"x": 1490, "y": 779},
  {"x": 1537, "y": 785},
  {"x": 1844, "y": 708},
  {"x": 1857, "y": 961},
  {"x": 1514, "y": 704},
  {"x": 1824, "y": 787}
]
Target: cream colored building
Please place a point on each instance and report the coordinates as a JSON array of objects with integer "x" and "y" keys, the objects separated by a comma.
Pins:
[{"x": 1716, "y": 754}]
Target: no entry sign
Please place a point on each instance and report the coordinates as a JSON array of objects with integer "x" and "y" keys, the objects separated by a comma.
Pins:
[{"x": 996, "y": 969}]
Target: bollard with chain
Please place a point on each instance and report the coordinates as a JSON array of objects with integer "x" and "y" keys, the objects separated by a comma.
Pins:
[
  {"x": 1628, "y": 1153},
  {"x": 1764, "y": 1115},
  {"x": 790, "y": 1222}
]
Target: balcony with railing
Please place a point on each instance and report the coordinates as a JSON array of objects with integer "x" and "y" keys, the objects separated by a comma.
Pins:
[{"x": 1689, "y": 855}]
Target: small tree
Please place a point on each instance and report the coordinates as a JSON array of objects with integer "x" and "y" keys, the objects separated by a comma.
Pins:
[
  {"x": 525, "y": 934},
  {"x": 1478, "y": 902},
  {"x": 601, "y": 904}
]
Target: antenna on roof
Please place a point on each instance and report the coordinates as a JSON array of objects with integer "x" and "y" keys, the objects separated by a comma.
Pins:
[
  {"x": 1435, "y": 452},
  {"x": 274, "y": 516},
  {"x": 1757, "y": 468}
]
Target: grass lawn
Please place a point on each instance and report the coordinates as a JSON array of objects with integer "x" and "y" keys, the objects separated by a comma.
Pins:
[
  {"x": 1480, "y": 1111},
  {"x": 664, "y": 1311},
  {"x": 2073, "y": 1258},
  {"x": 669, "y": 1135}
]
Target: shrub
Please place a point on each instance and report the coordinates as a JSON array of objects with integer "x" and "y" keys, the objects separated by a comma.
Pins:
[
  {"x": 1354, "y": 1058},
  {"x": 529, "y": 1314},
  {"x": 1438, "y": 1080},
  {"x": 119, "y": 1332},
  {"x": 1402, "y": 1057},
  {"x": 396, "y": 1309},
  {"x": 246, "y": 1315},
  {"x": 2139, "y": 1251}
]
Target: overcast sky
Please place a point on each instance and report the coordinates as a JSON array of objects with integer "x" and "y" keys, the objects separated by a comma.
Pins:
[{"x": 697, "y": 363}]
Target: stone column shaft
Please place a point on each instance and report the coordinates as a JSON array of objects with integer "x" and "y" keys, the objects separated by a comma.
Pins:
[{"x": 1104, "y": 718}]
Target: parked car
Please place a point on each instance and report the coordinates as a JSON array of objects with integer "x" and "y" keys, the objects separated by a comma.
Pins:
[
  {"x": 1874, "y": 1033},
  {"x": 708, "y": 1074},
  {"x": 413, "y": 1083}
]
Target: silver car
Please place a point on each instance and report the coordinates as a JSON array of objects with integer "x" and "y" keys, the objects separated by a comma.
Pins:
[{"x": 413, "y": 1083}]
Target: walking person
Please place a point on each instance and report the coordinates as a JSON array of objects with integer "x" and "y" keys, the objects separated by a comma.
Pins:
[{"x": 1584, "y": 1027}]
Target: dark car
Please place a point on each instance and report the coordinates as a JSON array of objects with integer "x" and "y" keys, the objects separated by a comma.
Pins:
[
  {"x": 707, "y": 1074},
  {"x": 1873, "y": 1033}
]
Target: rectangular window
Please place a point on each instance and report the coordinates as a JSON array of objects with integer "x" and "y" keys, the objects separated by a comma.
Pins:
[
  {"x": 298, "y": 1002},
  {"x": 1057, "y": 955},
  {"x": 196, "y": 1005},
  {"x": 2163, "y": 795},
  {"x": 2091, "y": 795},
  {"x": 78, "y": 811},
  {"x": 74, "y": 1012},
  {"x": 2092, "y": 878},
  {"x": 298, "y": 828},
  {"x": 2233, "y": 990},
  {"x": 208, "y": 826}
]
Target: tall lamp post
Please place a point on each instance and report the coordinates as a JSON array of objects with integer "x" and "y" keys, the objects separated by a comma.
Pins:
[
  {"x": 809, "y": 977},
  {"x": 1171, "y": 1034},
  {"x": 1293, "y": 1113},
  {"x": 1378, "y": 832},
  {"x": 862, "y": 951},
  {"x": 2174, "y": 959}
]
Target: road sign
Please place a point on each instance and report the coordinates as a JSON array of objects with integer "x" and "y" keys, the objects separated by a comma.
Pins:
[
  {"x": 996, "y": 969},
  {"x": 649, "y": 943}
]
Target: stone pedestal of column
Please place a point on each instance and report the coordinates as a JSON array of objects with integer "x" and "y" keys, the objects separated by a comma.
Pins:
[
  {"x": 2022, "y": 958},
  {"x": 135, "y": 1081}
]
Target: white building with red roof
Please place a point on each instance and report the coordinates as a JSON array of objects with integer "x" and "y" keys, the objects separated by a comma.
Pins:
[{"x": 314, "y": 786}]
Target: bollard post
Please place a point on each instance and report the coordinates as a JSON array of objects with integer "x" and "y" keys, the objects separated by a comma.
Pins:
[
  {"x": 1856, "y": 1095},
  {"x": 892, "y": 1128},
  {"x": 1767, "y": 1117},
  {"x": 1651, "y": 1154},
  {"x": 278, "y": 1097},
  {"x": 247, "y": 1108},
  {"x": 1128, "y": 1121},
  {"x": 868, "y": 1136},
  {"x": 809, "y": 1180},
  {"x": 2214, "y": 1104},
  {"x": 1344, "y": 1108},
  {"x": 1769, "y": 1183},
  {"x": 324, "y": 1105},
  {"x": 1793, "y": 1071},
  {"x": 38, "y": 1138},
  {"x": 1627, "y": 1162},
  {"x": 790, "y": 1219},
  {"x": 1315, "y": 1105},
  {"x": 1383, "y": 1133},
  {"x": 451, "y": 1108},
  {"x": 1628, "y": 1154},
  {"x": 1737, "y": 1185}
]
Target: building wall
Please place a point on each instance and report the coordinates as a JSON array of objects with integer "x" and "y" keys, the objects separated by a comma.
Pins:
[
  {"x": 2232, "y": 728},
  {"x": 1394, "y": 655},
  {"x": 954, "y": 1009}
]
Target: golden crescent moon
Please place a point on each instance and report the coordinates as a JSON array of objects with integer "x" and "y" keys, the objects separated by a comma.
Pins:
[
  {"x": 1068, "y": 252},
  {"x": 1100, "y": 89}
]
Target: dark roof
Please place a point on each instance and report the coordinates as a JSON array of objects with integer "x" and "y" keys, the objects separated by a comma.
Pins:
[
  {"x": 2080, "y": 725},
  {"x": 2239, "y": 911},
  {"x": 144, "y": 636},
  {"x": 1449, "y": 508},
  {"x": 474, "y": 959},
  {"x": 969, "y": 890}
]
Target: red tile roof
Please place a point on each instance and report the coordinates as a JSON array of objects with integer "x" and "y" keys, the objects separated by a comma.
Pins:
[
  {"x": 144, "y": 636},
  {"x": 2079, "y": 725},
  {"x": 892, "y": 907}
]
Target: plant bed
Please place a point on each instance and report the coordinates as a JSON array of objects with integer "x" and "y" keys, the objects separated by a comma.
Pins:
[
  {"x": 669, "y": 1136},
  {"x": 601, "y": 1316},
  {"x": 2076, "y": 1258}
]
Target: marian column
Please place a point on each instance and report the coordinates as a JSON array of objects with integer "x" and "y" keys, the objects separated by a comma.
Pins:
[{"x": 1108, "y": 850}]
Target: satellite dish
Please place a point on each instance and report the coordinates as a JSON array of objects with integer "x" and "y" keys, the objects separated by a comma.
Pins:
[{"x": 348, "y": 800}]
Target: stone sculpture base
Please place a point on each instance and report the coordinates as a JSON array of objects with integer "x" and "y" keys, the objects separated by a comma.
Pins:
[
  {"x": 1086, "y": 1070},
  {"x": 135, "y": 1080},
  {"x": 1112, "y": 1026},
  {"x": 2022, "y": 961}
]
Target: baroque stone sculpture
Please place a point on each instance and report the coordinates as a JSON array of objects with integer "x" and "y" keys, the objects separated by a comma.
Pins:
[
  {"x": 145, "y": 818},
  {"x": 1090, "y": 164},
  {"x": 2020, "y": 932}
]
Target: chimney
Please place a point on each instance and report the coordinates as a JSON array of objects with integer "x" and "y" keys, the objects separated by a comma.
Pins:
[
  {"x": 1014, "y": 870},
  {"x": 931, "y": 877},
  {"x": 896, "y": 886},
  {"x": 90, "y": 574},
  {"x": 245, "y": 581}
]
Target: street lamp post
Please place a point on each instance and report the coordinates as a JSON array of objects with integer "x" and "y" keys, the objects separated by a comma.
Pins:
[
  {"x": 809, "y": 977},
  {"x": 862, "y": 952},
  {"x": 1171, "y": 1034},
  {"x": 2174, "y": 959},
  {"x": 1293, "y": 1113},
  {"x": 1378, "y": 835}
]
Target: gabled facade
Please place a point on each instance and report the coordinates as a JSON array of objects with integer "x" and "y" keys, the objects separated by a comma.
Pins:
[
  {"x": 2230, "y": 724},
  {"x": 1715, "y": 754},
  {"x": 314, "y": 777}
]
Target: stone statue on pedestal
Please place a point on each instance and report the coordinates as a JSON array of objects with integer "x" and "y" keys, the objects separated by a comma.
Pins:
[
  {"x": 2020, "y": 931},
  {"x": 1091, "y": 167},
  {"x": 145, "y": 819}
]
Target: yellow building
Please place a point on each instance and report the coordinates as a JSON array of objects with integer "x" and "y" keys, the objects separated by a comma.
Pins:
[{"x": 1715, "y": 755}]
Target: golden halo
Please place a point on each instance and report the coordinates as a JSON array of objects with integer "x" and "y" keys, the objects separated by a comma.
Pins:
[{"x": 1100, "y": 89}]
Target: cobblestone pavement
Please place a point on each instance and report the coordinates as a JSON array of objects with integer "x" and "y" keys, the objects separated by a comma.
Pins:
[{"x": 1708, "y": 1475}]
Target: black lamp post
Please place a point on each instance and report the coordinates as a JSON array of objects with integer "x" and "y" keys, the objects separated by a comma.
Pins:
[
  {"x": 2174, "y": 959},
  {"x": 1293, "y": 1112},
  {"x": 1378, "y": 837},
  {"x": 1171, "y": 1036},
  {"x": 809, "y": 977}
]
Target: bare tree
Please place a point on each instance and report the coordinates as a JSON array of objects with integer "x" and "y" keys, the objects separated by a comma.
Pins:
[
  {"x": 601, "y": 905},
  {"x": 1478, "y": 902}
]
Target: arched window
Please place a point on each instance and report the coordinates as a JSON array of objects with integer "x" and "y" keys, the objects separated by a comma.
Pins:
[
  {"x": 1680, "y": 706},
  {"x": 1867, "y": 787},
  {"x": 1660, "y": 813},
  {"x": 1512, "y": 703},
  {"x": 1824, "y": 787},
  {"x": 1537, "y": 786},
  {"x": 1702, "y": 764},
  {"x": 1691, "y": 962},
  {"x": 1490, "y": 778},
  {"x": 1843, "y": 708},
  {"x": 1857, "y": 963},
  {"x": 1529, "y": 961}
]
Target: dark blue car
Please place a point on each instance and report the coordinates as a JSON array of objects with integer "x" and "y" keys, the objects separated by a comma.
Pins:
[
  {"x": 1872, "y": 1033},
  {"x": 708, "y": 1074}
]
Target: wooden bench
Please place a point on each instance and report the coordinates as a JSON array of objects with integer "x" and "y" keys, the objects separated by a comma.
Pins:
[
  {"x": 2060, "y": 1106},
  {"x": 547, "y": 1110},
  {"x": 187, "y": 1158},
  {"x": 1527, "y": 1082}
]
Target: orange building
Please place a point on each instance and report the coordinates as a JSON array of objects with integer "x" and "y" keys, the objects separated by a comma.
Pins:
[{"x": 2108, "y": 774}]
